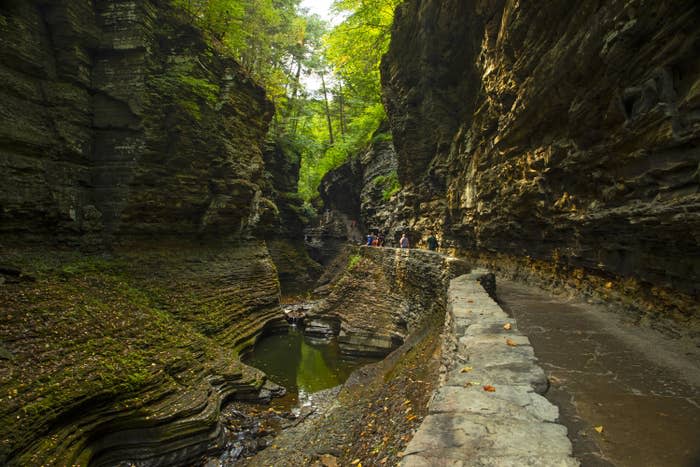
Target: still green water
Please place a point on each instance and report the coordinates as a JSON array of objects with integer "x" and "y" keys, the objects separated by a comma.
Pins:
[{"x": 302, "y": 365}]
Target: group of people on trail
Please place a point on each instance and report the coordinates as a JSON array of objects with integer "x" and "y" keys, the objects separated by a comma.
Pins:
[{"x": 377, "y": 239}]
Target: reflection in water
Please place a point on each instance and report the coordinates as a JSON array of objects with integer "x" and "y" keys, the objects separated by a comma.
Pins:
[{"x": 301, "y": 364}]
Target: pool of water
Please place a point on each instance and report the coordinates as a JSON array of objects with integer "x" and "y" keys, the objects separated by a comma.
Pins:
[{"x": 301, "y": 364}]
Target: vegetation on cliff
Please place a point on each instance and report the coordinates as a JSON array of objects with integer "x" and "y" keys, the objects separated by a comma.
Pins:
[
  {"x": 290, "y": 51},
  {"x": 114, "y": 340}
]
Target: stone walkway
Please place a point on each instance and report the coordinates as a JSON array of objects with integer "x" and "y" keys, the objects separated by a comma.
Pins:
[
  {"x": 488, "y": 411},
  {"x": 637, "y": 386}
]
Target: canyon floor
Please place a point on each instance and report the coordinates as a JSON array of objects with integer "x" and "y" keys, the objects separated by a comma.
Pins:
[{"x": 626, "y": 393}]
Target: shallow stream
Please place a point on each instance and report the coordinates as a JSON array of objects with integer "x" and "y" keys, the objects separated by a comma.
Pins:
[
  {"x": 303, "y": 365},
  {"x": 307, "y": 368}
]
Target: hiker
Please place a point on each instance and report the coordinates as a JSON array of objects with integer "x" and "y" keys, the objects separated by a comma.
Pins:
[
  {"x": 432, "y": 242},
  {"x": 370, "y": 239},
  {"x": 380, "y": 239},
  {"x": 404, "y": 241}
]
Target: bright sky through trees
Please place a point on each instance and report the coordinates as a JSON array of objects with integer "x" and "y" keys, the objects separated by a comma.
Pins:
[
  {"x": 321, "y": 8},
  {"x": 318, "y": 61}
]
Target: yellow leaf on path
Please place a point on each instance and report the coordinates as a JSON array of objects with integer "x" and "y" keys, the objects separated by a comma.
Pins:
[
  {"x": 356, "y": 461},
  {"x": 599, "y": 429},
  {"x": 511, "y": 342},
  {"x": 507, "y": 326},
  {"x": 608, "y": 285},
  {"x": 466, "y": 369}
]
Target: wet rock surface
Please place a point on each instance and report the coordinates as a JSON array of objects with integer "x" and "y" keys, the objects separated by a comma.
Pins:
[
  {"x": 636, "y": 386},
  {"x": 383, "y": 294}
]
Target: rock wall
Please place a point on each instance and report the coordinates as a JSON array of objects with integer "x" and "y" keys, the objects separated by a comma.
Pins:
[
  {"x": 564, "y": 135},
  {"x": 125, "y": 134},
  {"x": 284, "y": 227},
  {"x": 119, "y": 120},
  {"x": 384, "y": 294},
  {"x": 358, "y": 199}
]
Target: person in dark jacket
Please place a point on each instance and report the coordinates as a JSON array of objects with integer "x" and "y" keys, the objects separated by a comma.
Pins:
[{"x": 432, "y": 242}]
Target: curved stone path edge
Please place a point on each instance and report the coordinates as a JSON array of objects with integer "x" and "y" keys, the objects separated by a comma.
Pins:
[{"x": 489, "y": 409}]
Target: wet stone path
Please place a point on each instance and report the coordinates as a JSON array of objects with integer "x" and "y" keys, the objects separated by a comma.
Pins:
[{"x": 638, "y": 388}]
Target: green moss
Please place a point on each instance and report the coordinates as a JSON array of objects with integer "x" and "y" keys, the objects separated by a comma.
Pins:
[
  {"x": 92, "y": 332},
  {"x": 353, "y": 261},
  {"x": 188, "y": 91},
  {"x": 390, "y": 184}
]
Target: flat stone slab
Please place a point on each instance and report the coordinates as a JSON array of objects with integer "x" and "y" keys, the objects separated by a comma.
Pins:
[{"x": 489, "y": 411}]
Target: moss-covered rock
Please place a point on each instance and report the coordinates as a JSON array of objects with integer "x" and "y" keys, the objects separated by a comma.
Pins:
[{"x": 128, "y": 357}]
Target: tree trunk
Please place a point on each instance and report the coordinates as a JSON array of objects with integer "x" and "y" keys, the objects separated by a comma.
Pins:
[
  {"x": 341, "y": 104},
  {"x": 328, "y": 110}
]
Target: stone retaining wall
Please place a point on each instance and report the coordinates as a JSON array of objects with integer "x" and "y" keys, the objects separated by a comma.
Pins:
[{"x": 489, "y": 409}]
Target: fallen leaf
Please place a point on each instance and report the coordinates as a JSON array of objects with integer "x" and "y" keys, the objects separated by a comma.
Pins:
[
  {"x": 599, "y": 429},
  {"x": 608, "y": 285},
  {"x": 355, "y": 462},
  {"x": 466, "y": 369},
  {"x": 489, "y": 388},
  {"x": 327, "y": 460},
  {"x": 511, "y": 342},
  {"x": 507, "y": 326}
]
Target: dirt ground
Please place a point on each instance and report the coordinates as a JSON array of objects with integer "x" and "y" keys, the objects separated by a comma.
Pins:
[{"x": 373, "y": 416}]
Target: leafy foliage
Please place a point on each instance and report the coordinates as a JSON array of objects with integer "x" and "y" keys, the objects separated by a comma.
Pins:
[
  {"x": 283, "y": 47},
  {"x": 390, "y": 184}
]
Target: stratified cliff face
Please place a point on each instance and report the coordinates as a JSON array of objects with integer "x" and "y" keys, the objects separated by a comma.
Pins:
[
  {"x": 118, "y": 120},
  {"x": 381, "y": 295},
  {"x": 563, "y": 136},
  {"x": 123, "y": 131}
]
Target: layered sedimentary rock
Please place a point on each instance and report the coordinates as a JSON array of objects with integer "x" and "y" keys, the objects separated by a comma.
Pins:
[
  {"x": 119, "y": 120},
  {"x": 381, "y": 295},
  {"x": 359, "y": 197},
  {"x": 559, "y": 138},
  {"x": 123, "y": 132},
  {"x": 128, "y": 357},
  {"x": 284, "y": 228}
]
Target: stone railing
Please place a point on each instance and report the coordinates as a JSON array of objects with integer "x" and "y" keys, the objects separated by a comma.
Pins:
[{"x": 488, "y": 409}]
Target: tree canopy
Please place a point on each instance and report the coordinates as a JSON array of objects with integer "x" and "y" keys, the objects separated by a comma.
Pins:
[{"x": 288, "y": 50}]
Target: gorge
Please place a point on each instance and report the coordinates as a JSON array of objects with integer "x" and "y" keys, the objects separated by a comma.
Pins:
[{"x": 150, "y": 226}]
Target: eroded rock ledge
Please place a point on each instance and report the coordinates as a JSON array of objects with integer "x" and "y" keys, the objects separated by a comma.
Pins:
[
  {"x": 383, "y": 294},
  {"x": 129, "y": 357}
]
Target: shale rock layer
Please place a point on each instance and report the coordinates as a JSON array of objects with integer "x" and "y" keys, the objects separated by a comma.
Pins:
[
  {"x": 381, "y": 295},
  {"x": 128, "y": 357},
  {"x": 118, "y": 119},
  {"x": 565, "y": 133}
]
